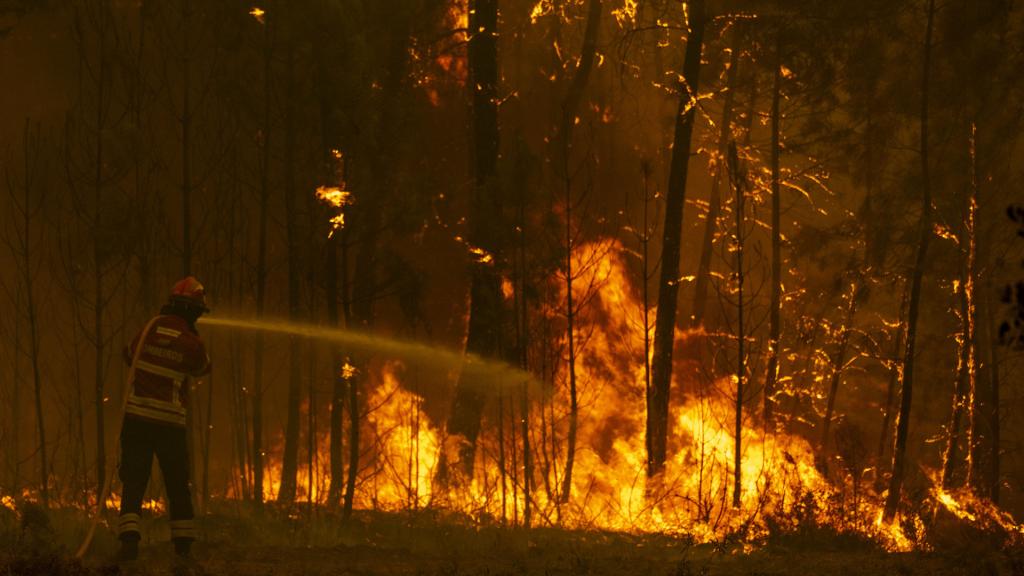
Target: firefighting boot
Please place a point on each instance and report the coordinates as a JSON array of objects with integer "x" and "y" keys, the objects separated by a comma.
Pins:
[
  {"x": 184, "y": 563},
  {"x": 128, "y": 555}
]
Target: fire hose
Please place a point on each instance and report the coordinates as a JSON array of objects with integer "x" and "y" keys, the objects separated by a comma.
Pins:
[{"x": 108, "y": 481}]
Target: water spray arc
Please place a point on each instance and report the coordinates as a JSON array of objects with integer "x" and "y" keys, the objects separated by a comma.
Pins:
[{"x": 493, "y": 372}]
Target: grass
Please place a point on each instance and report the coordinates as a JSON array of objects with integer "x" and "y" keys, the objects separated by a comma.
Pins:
[{"x": 237, "y": 539}]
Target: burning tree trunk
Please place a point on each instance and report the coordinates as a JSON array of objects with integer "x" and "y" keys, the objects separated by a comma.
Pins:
[
  {"x": 668, "y": 284},
  {"x": 700, "y": 298},
  {"x": 964, "y": 390},
  {"x": 776, "y": 296},
  {"x": 570, "y": 107},
  {"x": 485, "y": 317},
  {"x": 892, "y": 500}
]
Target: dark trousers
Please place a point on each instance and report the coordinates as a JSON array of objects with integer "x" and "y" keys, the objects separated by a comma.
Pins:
[{"x": 140, "y": 441}]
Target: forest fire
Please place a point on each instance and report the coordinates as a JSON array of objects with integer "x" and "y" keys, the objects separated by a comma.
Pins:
[
  {"x": 783, "y": 486},
  {"x": 511, "y": 286}
]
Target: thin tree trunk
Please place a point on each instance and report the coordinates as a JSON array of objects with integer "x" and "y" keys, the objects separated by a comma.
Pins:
[
  {"x": 98, "y": 264},
  {"x": 894, "y": 376},
  {"x": 739, "y": 185},
  {"x": 290, "y": 460},
  {"x": 964, "y": 390},
  {"x": 522, "y": 343},
  {"x": 993, "y": 376},
  {"x": 838, "y": 363},
  {"x": 207, "y": 433},
  {"x": 27, "y": 279},
  {"x": 973, "y": 400},
  {"x": 570, "y": 107},
  {"x": 186, "y": 143},
  {"x": 776, "y": 293},
  {"x": 261, "y": 261},
  {"x": 892, "y": 500},
  {"x": 15, "y": 451},
  {"x": 353, "y": 445},
  {"x": 668, "y": 285},
  {"x": 703, "y": 280},
  {"x": 645, "y": 246}
]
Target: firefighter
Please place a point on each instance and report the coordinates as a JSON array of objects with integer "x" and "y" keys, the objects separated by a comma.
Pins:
[{"x": 162, "y": 358}]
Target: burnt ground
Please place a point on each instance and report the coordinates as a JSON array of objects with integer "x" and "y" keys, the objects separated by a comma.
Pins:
[{"x": 426, "y": 543}]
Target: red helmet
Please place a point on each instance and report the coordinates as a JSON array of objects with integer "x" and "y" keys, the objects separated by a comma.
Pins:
[{"x": 190, "y": 291}]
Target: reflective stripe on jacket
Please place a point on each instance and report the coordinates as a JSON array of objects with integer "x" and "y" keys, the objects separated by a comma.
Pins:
[{"x": 171, "y": 353}]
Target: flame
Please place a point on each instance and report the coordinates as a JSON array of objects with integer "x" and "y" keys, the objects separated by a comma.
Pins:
[
  {"x": 408, "y": 446},
  {"x": 258, "y": 13},
  {"x": 337, "y": 198}
]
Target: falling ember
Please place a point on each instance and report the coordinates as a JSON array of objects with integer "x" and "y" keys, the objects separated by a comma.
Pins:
[
  {"x": 480, "y": 255},
  {"x": 348, "y": 371},
  {"x": 626, "y": 14},
  {"x": 337, "y": 198},
  {"x": 540, "y": 9},
  {"x": 258, "y": 13}
]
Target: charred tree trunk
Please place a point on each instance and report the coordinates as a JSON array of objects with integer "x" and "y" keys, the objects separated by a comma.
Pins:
[
  {"x": 290, "y": 460},
  {"x": 15, "y": 449},
  {"x": 485, "y": 317},
  {"x": 894, "y": 377},
  {"x": 333, "y": 174},
  {"x": 522, "y": 342},
  {"x": 186, "y": 143},
  {"x": 964, "y": 390},
  {"x": 700, "y": 298},
  {"x": 973, "y": 401},
  {"x": 668, "y": 284},
  {"x": 337, "y": 459},
  {"x": 776, "y": 296},
  {"x": 570, "y": 107},
  {"x": 261, "y": 263},
  {"x": 23, "y": 250},
  {"x": 99, "y": 261},
  {"x": 993, "y": 382},
  {"x": 892, "y": 500},
  {"x": 739, "y": 185}
]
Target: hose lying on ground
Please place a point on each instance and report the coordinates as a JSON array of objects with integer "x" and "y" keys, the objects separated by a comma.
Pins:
[{"x": 105, "y": 490}]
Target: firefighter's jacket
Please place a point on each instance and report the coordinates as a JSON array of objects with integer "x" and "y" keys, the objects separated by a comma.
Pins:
[{"x": 171, "y": 353}]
